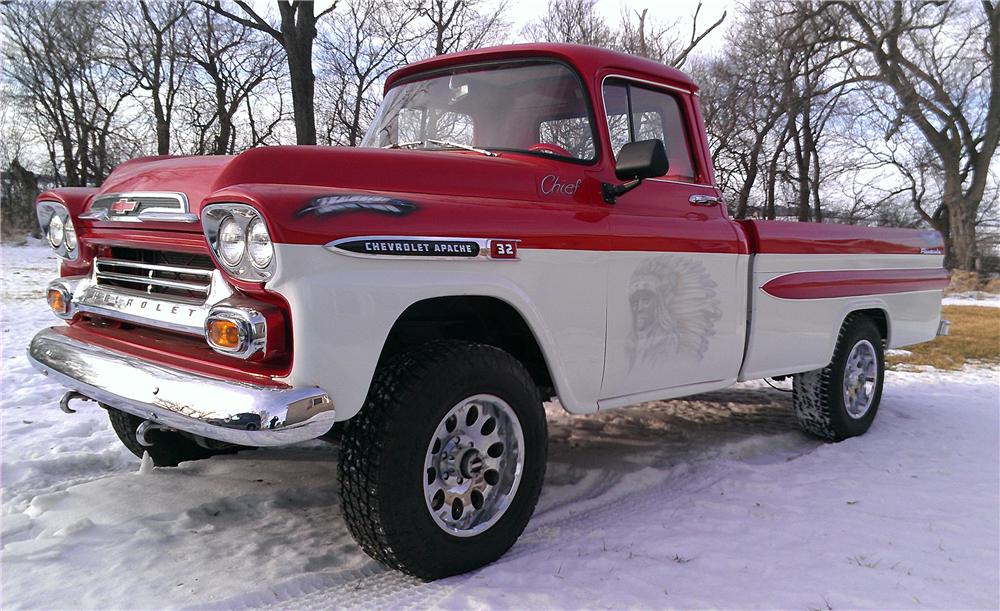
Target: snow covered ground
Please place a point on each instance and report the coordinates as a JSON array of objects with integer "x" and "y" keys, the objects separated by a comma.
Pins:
[
  {"x": 973, "y": 298},
  {"x": 714, "y": 501}
]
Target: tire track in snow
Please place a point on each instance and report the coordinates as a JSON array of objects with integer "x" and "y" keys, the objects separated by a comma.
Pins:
[{"x": 704, "y": 456}]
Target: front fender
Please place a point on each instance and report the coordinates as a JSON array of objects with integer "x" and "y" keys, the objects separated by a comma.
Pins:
[{"x": 343, "y": 308}]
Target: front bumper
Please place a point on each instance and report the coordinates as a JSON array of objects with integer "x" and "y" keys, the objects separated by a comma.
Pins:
[{"x": 228, "y": 411}]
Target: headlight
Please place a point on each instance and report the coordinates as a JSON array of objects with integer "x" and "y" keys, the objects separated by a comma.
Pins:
[
  {"x": 69, "y": 236},
  {"x": 259, "y": 245},
  {"x": 232, "y": 241},
  {"x": 55, "y": 232},
  {"x": 57, "y": 227},
  {"x": 240, "y": 240}
]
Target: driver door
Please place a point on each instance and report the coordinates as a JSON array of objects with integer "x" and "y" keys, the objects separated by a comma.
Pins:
[{"x": 676, "y": 281}]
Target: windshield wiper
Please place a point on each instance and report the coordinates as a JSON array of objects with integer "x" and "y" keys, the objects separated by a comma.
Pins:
[{"x": 445, "y": 143}]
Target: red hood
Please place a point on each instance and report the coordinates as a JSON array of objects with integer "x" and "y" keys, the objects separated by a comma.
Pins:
[
  {"x": 193, "y": 176},
  {"x": 457, "y": 173}
]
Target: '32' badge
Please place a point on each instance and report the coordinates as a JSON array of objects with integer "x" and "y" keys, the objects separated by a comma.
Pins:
[{"x": 503, "y": 249}]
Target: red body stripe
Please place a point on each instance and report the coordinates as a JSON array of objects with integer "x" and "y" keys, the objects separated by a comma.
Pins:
[{"x": 853, "y": 283}]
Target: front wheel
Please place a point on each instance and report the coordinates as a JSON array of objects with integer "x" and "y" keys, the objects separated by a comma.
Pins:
[
  {"x": 441, "y": 470},
  {"x": 841, "y": 400}
]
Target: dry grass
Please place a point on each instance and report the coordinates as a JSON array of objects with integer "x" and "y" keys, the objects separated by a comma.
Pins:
[
  {"x": 965, "y": 282},
  {"x": 975, "y": 335}
]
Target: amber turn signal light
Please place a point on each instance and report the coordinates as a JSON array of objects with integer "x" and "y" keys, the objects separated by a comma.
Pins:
[
  {"x": 224, "y": 334},
  {"x": 57, "y": 301}
]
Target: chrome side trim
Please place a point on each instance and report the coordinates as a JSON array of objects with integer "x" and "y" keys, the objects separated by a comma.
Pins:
[
  {"x": 484, "y": 246},
  {"x": 168, "y": 217},
  {"x": 94, "y": 215},
  {"x": 232, "y": 412}
]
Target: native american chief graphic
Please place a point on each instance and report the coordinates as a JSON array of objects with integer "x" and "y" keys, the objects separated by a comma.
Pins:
[{"x": 674, "y": 310}]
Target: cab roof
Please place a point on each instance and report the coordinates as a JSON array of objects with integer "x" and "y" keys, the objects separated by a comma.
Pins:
[{"x": 587, "y": 60}]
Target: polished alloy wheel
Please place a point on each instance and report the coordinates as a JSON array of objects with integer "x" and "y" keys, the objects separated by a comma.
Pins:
[
  {"x": 860, "y": 378},
  {"x": 473, "y": 465}
]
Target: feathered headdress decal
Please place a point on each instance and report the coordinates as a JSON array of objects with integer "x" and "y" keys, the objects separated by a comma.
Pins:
[
  {"x": 674, "y": 309},
  {"x": 339, "y": 204}
]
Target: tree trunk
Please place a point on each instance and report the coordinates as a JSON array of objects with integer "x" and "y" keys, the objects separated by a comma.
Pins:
[
  {"x": 300, "y": 74},
  {"x": 962, "y": 229},
  {"x": 743, "y": 200},
  {"x": 162, "y": 125},
  {"x": 298, "y": 30}
]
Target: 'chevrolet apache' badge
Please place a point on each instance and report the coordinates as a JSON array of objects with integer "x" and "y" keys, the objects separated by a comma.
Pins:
[{"x": 413, "y": 247}]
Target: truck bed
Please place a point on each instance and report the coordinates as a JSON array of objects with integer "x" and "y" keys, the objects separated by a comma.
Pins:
[{"x": 806, "y": 277}]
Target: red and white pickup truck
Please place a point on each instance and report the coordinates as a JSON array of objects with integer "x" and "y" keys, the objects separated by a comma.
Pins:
[{"x": 519, "y": 223}]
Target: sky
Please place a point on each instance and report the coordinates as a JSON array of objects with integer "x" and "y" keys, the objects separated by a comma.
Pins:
[{"x": 525, "y": 11}]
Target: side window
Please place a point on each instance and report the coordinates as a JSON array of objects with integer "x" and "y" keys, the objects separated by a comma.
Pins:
[
  {"x": 637, "y": 113},
  {"x": 616, "y": 105}
]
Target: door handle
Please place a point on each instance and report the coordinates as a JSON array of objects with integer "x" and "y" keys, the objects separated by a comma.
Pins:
[{"x": 705, "y": 200}]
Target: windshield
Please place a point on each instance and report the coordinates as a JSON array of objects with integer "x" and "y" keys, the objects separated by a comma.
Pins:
[{"x": 536, "y": 107}]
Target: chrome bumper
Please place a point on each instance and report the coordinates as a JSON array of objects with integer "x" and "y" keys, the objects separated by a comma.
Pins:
[{"x": 232, "y": 412}]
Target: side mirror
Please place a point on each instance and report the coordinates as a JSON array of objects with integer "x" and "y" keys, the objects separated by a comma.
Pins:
[
  {"x": 636, "y": 160},
  {"x": 642, "y": 159}
]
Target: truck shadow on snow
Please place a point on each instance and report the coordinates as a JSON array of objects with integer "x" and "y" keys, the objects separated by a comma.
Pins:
[{"x": 277, "y": 511}]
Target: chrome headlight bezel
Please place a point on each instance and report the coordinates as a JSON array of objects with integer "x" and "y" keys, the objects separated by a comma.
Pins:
[
  {"x": 212, "y": 218},
  {"x": 48, "y": 210}
]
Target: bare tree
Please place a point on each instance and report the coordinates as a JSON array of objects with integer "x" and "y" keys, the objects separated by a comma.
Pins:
[
  {"x": 363, "y": 45},
  {"x": 148, "y": 40},
  {"x": 938, "y": 65},
  {"x": 295, "y": 33},
  {"x": 741, "y": 100},
  {"x": 572, "y": 21},
  {"x": 55, "y": 60},
  {"x": 458, "y": 25},
  {"x": 234, "y": 61},
  {"x": 640, "y": 34}
]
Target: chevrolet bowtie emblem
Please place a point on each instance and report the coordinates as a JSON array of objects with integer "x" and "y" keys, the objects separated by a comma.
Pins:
[{"x": 124, "y": 206}]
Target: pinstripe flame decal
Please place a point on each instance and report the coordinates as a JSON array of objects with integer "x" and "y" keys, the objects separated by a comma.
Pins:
[{"x": 854, "y": 283}]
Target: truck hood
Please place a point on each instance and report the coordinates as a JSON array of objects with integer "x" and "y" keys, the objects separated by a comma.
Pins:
[{"x": 448, "y": 173}]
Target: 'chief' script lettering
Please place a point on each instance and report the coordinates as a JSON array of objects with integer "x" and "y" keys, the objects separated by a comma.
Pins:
[{"x": 551, "y": 184}]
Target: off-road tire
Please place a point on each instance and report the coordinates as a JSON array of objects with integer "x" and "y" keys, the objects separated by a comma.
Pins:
[
  {"x": 169, "y": 449},
  {"x": 381, "y": 466},
  {"x": 818, "y": 396}
]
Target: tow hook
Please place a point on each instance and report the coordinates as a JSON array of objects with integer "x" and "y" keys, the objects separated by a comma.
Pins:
[
  {"x": 145, "y": 428},
  {"x": 69, "y": 396}
]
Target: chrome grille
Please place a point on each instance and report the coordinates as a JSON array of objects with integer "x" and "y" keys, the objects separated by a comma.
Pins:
[
  {"x": 137, "y": 202},
  {"x": 156, "y": 273}
]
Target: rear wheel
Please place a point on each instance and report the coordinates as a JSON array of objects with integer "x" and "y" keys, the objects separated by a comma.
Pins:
[
  {"x": 441, "y": 470},
  {"x": 168, "y": 448},
  {"x": 842, "y": 399}
]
